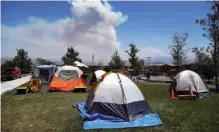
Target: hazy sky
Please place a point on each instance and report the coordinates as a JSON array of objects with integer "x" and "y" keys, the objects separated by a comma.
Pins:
[{"x": 46, "y": 29}]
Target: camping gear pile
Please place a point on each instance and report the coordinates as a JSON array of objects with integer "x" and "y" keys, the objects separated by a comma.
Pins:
[
  {"x": 40, "y": 74},
  {"x": 35, "y": 85}
]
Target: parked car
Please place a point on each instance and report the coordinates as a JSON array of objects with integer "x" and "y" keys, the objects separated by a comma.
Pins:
[{"x": 12, "y": 73}]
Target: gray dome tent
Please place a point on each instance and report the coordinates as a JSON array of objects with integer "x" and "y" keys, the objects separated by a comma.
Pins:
[
  {"x": 187, "y": 81},
  {"x": 44, "y": 72}
]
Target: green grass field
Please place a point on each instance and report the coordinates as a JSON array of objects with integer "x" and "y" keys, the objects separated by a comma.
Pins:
[{"x": 42, "y": 112}]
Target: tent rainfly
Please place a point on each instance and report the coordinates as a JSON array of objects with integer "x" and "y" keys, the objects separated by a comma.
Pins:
[{"x": 67, "y": 78}]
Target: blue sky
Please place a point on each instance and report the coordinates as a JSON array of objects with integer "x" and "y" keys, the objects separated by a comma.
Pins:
[
  {"x": 149, "y": 24},
  {"x": 155, "y": 22}
]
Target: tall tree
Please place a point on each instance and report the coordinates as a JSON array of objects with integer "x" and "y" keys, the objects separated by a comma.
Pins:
[
  {"x": 203, "y": 63},
  {"x": 177, "y": 50},
  {"x": 133, "y": 59},
  {"x": 211, "y": 27},
  {"x": 116, "y": 61},
  {"x": 22, "y": 60},
  {"x": 71, "y": 56},
  {"x": 202, "y": 56},
  {"x": 140, "y": 64},
  {"x": 44, "y": 61},
  {"x": 141, "y": 61}
]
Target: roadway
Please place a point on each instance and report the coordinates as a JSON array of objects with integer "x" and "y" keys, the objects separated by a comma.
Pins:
[{"x": 163, "y": 80}]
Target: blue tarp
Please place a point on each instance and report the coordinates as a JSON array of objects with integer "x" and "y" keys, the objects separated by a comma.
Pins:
[{"x": 98, "y": 121}]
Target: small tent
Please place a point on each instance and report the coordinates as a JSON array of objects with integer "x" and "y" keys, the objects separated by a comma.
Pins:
[
  {"x": 99, "y": 74},
  {"x": 188, "y": 82},
  {"x": 79, "y": 64},
  {"x": 68, "y": 78},
  {"x": 94, "y": 76},
  {"x": 116, "y": 95},
  {"x": 44, "y": 72}
]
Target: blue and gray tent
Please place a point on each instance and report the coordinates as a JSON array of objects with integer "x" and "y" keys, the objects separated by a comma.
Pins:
[
  {"x": 44, "y": 72},
  {"x": 115, "y": 98}
]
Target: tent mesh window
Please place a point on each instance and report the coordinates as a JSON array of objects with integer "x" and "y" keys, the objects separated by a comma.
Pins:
[
  {"x": 68, "y": 75},
  {"x": 44, "y": 73}
]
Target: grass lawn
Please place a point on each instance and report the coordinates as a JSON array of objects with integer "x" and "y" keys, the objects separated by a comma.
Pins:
[{"x": 42, "y": 112}]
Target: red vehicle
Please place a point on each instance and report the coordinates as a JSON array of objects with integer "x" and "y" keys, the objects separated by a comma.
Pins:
[{"x": 13, "y": 73}]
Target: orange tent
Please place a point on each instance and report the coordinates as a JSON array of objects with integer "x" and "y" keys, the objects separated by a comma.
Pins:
[{"x": 67, "y": 78}]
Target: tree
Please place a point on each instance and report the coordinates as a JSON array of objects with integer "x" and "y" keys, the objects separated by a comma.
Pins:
[
  {"x": 71, "y": 56},
  {"x": 177, "y": 50},
  {"x": 202, "y": 56},
  {"x": 208, "y": 72},
  {"x": 197, "y": 67},
  {"x": 116, "y": 62},
  {"x": 203, "y": 62},
  {"x": 44, "y": 61},
  {"x": 211, "y": 27},
  {"x": 171, "y": 74},
  {"x": 22, "y": 60},
  {"x": 141, "y": 61},
  {"x": 140, "y": 64},
  {"x": 133, "y": 59}
]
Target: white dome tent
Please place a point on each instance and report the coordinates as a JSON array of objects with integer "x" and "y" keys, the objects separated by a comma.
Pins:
[{"x": 188, "y": 81}]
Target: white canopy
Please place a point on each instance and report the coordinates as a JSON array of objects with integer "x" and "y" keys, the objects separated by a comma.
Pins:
[
  {"x": 79, "y": 64},
  {"x": 45, "y": 66}
]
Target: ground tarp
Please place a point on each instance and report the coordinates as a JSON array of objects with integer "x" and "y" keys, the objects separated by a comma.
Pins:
[{"x": 98, "y": 121}]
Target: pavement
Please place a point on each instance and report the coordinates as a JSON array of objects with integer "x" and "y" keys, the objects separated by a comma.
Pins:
[
  {"x": 160, "y": 78},
  {"x": 10, "y": 85}
]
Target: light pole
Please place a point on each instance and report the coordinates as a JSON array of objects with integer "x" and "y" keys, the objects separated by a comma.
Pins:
[
  {"x": 16, "y": 61},
  {"x": 149, "y": 58}
]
